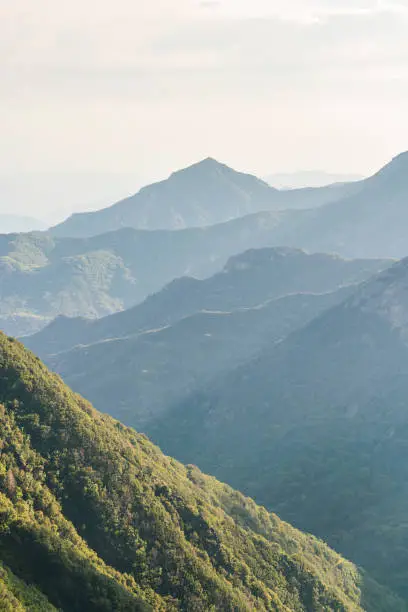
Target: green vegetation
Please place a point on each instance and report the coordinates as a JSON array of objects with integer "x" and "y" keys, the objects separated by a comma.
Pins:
[
  {"x": 97, "y": 518},
  {"x": 15, "y": 595}
]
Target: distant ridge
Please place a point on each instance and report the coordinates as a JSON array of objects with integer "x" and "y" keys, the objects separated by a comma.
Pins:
[
  {"x": 16, "y": 223},
  {"x": 246, "y": 281},
  {"x": 205, "y": 193},
  {"x": 97, "y": 275},
  {"x": 309, "y": 178}
]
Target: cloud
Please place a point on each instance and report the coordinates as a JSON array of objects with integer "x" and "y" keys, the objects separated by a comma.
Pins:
[
  {"x": 126, "y": 84},
  {"x": 301, "y": 11}
]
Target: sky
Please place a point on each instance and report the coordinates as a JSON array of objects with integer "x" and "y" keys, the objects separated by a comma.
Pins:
[{"x": 98, "y": 98}]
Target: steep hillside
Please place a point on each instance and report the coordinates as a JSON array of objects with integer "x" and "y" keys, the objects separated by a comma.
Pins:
[
  {"x": 203, "y": 194},
  {"x": 327, "y": 409},
  {"x": 369, "y": 223},
  {"x": 17, "y": 596},
  {"x": 247, "y": 280},
  {"x": 95, "y": 517}
]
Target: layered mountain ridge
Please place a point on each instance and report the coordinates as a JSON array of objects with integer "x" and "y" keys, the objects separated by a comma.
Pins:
[
  {"x": 43, "y": 275},
  {"x": 246, "y": 281}
]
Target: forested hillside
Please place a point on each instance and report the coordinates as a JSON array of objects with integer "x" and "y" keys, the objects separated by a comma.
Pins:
[{"x": 93, "y": 516}]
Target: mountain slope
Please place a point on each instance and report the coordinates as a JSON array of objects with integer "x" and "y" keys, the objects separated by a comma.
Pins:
[
  {"x": 368, "y": 223},
  {"x": 206, "y": 193},
  {"x": 16, "y": 596},
  {"x": 246, "y": 281},
  {"x": 120, "y": 526},
  {"x": 327, "y": 408}
]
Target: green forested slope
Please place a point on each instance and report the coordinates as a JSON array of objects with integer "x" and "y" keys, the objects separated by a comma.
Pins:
[
  {"x": 16, "y": 595},
  {"x": 98, "y": 518}
]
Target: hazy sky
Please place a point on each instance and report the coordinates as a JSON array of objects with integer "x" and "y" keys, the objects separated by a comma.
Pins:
[{"x": 142, "y": 87}]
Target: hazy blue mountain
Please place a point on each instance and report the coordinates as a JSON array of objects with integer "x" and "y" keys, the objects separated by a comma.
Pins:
[
  {"x": 369, "y": 223},
  {"x": 203, "y": 194},
  {"x": 362, "y": 219},
  {"x": 17, "y": 223},
  {"x": 246, "y": 281},
  {"x": 326, "y": 407},
  {"x": 309, "y": 178},
  {"x": 42, "y": 276}
]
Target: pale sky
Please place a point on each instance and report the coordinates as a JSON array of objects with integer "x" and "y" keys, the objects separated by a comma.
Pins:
[{"x": 143, "y": 87}]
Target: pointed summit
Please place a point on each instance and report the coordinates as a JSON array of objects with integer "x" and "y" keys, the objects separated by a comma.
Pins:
[
  {"x": 204, "y": 166},
  {"x": 205, "y": 193}
]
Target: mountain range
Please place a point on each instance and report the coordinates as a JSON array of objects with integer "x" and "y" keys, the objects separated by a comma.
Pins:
[
  {"x": 192, "y": 330},
  {"x": 43, "y": 276},
  {"x": 361, "y": 219},
  {"x": 206, "y": 193},
  {"x": 93, "y": 516}
]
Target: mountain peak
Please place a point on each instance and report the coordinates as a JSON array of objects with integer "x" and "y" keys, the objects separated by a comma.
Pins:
[{"x": 209, "y": 164}]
